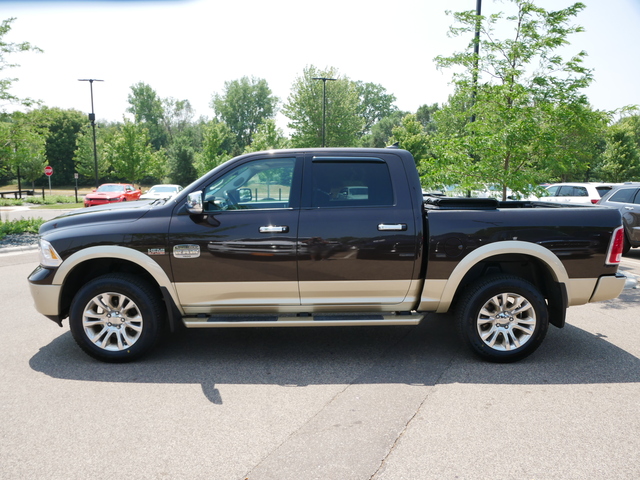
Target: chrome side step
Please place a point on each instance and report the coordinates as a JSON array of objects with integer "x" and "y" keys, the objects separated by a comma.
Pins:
[{"x": 311, "y": 320}]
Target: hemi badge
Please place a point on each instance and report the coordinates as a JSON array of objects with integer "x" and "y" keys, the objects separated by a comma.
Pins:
[
  {"x": 155, "y": 251},
  {"x": 186, "y": 251}
]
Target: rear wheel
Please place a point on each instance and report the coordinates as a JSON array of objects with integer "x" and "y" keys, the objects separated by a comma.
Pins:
[
  {"x": 116, "y": 318},
  {"x": 502, "y": 318}
]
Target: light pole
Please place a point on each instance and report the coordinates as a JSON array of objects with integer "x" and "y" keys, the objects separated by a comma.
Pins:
[
  {"x": 476, "y": 54},
  {"x": 92, "y": 119},
  {"x": 324, "y": 102}
]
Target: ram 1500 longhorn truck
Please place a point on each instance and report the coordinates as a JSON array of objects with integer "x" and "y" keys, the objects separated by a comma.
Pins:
[{"x": 270, "y": 239}]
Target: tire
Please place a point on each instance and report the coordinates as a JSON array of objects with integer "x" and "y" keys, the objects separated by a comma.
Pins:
[
  {"x": 116, "y": 318},
  {"x": 502, "y": 318}
]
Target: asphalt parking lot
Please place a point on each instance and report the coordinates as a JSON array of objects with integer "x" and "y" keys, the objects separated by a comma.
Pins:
[{"x": 334, "y": 403}]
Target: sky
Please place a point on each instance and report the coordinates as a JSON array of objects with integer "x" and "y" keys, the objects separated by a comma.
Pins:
[{"x": 188, "y": 49}]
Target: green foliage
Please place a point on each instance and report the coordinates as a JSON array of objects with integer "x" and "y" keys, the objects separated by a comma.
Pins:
[
  {"x": 146, "y": 107},
  {"x": 47, "y": 200},
  {"x": 374, "y": 104},
  {"x": 304, "y": 107},
  {"x": 181, "y": 156},
  {"x": 382, "y": 131},
  {"x": 131, "y": 155},
  {"x": 60, "y": 129},
  {"x": 506, "y": 122},
  {"x": 213, "y": 153},
  {"x": 84, "y": 156},
  {"x": 7, "y": 48},
  {"x": 268, "y": 137},
  {"x": 244, "y": 105},
  {"x": 621, "y": 159},
  {"x": 30, "y": 225}
]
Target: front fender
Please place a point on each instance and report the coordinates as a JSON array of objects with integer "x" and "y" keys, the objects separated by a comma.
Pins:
[{"x": 123, "y": 253}]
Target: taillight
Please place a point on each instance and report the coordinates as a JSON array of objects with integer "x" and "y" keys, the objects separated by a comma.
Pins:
[
  {"x": 616, "y": 245},
  {"x": 595, "y": 200}
]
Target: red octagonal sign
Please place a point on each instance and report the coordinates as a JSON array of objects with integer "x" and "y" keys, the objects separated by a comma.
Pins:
[{"x": 48, "y": 170}]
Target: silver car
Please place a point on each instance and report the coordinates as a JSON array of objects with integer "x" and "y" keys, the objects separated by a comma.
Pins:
[{"x": 626, "y": 198}]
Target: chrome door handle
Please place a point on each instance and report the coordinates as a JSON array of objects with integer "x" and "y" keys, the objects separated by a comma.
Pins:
[
  {"x": 274, "y": 229},
  {"x": 628, "y": 208},
  {"x": 392, "y": 227}
]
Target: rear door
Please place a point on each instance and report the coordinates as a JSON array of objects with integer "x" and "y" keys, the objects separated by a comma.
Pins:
[{"x": 355, "y": 249}]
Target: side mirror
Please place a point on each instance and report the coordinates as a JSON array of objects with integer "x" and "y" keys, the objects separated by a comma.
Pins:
[
  {"x": 194, "y": 203},
  {"x": 245, "y": 194}
]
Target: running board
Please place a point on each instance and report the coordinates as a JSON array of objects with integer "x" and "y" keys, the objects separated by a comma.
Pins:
[{"x": 317, "y": 320}]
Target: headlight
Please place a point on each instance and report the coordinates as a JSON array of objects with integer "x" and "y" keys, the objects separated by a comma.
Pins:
[{"x": 48, "y": 255}]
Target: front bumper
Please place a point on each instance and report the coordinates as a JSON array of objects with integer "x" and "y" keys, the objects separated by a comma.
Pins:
[
  {"x": 46, "y": 300},
  {"x": 46, "y": 297}
]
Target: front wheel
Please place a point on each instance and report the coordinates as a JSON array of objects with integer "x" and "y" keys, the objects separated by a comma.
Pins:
[
  {"x": 116, "y": 318},
  {"x": 502, "y": 318}
]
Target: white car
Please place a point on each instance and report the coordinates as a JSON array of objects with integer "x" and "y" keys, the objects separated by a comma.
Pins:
[
  {"x": 580, "y": 193},
  {"x": 161, "y": 191}
]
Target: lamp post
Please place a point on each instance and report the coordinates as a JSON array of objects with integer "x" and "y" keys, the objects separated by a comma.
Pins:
[
  {"x": 324, "y": 102},
  {"x": 476, "y": 52},
  {"x": 92, "y": 119}
]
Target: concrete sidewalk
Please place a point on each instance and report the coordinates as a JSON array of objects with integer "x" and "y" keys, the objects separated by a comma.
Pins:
[{"x": 17, "y": 213}]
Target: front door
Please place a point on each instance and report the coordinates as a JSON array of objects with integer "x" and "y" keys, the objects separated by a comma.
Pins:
[{"x": 241, "y": 253}]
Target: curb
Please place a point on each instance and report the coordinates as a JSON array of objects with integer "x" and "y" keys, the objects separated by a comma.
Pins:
[{"x": 22, "y": 249}]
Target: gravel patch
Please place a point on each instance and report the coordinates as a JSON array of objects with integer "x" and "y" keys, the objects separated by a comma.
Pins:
[{"x": 18, "y": 240}]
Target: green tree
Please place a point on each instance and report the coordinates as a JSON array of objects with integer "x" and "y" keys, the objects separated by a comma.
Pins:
[
  {"x": 382, "y": 131},
  {"x": 23, "y": 149},
  {"x": 177, "y": 117},
  {"x": 7, "y": 48},
  {"x": 243, "y": 106},
  {"x": 343, "y": 124},
  {"x": 375, "y": 104},
  {"x": 425, "y": 115},
  {"x": 131, "y": 154},
  {"x": 215, "y": 136},
  {"x": 268, "y": 137},
  {"x": 512, "y": 90},
  {"x": 147, "y": 108},
  {"x": 84, "y": 156},
  {"x": 621, "y": 159},
  {"x": 181, "y": 158},
  {"x": 60, "y": 128}
]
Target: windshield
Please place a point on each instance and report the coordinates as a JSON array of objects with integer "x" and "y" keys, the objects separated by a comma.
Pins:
[
  {"x": 166, "y": 189},
  {"x": 111, "y": 188}
]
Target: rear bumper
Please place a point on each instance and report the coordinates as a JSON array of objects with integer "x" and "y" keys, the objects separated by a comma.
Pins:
[{"x": 608, "y": 287}]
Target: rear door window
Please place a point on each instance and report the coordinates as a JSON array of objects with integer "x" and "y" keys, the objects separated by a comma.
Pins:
[
  {"x": 624, "y": 195},
  {"x": 343, "y": 183}
]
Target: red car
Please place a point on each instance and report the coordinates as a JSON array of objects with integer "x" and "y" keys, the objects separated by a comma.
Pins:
[{"x": 112, "y": 192}]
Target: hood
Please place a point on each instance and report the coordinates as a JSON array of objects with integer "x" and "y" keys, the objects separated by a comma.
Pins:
[{"x": 116, "y": 212}]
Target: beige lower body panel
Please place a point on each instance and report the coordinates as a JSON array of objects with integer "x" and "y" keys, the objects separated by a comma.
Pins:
[
  {"x": 608, "y": 288},
  {"x": 284, "y": 297},
  {"x": 46, "y": 298}
]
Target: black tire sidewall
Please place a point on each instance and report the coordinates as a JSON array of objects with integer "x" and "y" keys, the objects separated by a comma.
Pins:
[
  {"x": 476, "y": 297},
  {"x": 137, "y": 290}
]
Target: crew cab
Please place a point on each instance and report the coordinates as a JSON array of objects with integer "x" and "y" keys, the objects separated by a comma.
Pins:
[{"x": 270, "y": 239}]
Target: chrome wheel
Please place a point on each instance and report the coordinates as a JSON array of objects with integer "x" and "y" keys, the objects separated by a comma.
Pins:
[
  {"x": 502, "y": 318},
  {"x": 506, "y": 322},
  {"x": 112, "y": 321}
]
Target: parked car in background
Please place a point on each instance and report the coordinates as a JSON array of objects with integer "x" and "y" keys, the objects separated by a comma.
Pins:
[
  {"x": 580, "y": 193},
  {"x": 626, "y": 198},
  {"x": 112, "y": 192},
  {"x": 161, "y": 191}
]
